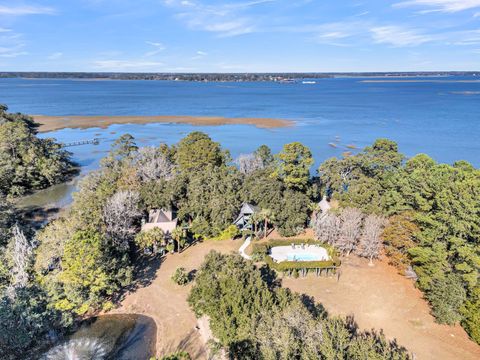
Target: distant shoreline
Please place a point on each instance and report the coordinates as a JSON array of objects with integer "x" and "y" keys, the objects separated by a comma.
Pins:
[
  {"x": 420, "y": 81},
  {"x": 228, "y": 77},
  {"x": 52, "y": 123}
]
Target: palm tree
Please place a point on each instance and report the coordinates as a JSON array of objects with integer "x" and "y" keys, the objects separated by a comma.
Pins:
[
  {"x": 267, "y": 216},
  {"x": 254, "y": 220},
  {"x": 178, "y": 236}
]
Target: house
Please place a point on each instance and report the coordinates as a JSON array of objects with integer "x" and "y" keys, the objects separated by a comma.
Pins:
[
  {"x": 163, "y": 219},
  {"x": 243, "y": 219}
]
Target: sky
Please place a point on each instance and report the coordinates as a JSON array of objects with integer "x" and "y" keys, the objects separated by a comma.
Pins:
[{"x": 239, "y": 35}]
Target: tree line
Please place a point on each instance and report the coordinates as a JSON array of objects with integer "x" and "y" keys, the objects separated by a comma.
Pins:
[
  {"x": 426, "y": 214},
  {"x": 433, "y": 213}
]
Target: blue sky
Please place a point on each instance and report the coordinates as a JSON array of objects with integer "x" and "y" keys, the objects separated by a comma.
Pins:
[{"x": 239, "y": 35}]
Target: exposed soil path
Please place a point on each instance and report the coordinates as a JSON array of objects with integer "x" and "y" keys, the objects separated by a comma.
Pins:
[
  {"x": 380, "y": 298},
  {"x": 376, "y": 296},
  {"x": 166, "y": 302}
]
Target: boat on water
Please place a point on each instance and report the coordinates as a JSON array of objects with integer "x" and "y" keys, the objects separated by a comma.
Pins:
[{"x": 308, "y": 82}]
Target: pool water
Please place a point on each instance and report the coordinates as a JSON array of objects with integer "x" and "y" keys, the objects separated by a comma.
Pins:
[{"x": 302, "y": 257}]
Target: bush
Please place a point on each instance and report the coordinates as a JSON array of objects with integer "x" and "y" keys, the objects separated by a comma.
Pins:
[
  {"x": 149, "y": 239},
  {"x": 170, "y": 247},
  {"x": 180, "y": 276},
  {"x": 179, "y": 355},
  {"x": 447, "y": 297},
  {"x": 229, "y": 233}
]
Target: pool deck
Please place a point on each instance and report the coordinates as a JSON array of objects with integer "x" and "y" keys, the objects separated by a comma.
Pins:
[{"x": 310, "y": 252}]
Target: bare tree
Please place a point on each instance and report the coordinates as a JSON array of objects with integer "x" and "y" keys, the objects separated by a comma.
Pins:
[
  {"x": 326, "y": 227},
  {"x": 120, "y": 214},
  {"x": 370, "y": 241},
  {"x": 152, "y": 164},
  {"x": 350, "y": 230},
  {"x": 248, "y": 163},
  {"x": 22, "y": 260}
]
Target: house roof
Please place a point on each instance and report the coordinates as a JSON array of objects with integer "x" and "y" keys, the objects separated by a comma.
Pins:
[
  {"x": 248, "y": 209},
  {"x": 159, "y": 216}
]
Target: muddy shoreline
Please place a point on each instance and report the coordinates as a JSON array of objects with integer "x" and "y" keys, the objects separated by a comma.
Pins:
[{"x": 52, "y": 123}]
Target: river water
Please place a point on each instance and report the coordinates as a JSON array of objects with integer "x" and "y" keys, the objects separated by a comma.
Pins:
[{"x": 438, "y": 116}]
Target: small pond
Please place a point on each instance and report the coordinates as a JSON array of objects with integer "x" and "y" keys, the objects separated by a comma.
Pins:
[{"x": 109, "y": 337}]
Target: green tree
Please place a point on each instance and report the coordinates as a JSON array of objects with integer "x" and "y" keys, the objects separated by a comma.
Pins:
[
  {"x": 294, "y": 164},
  {"x": 447, "y": 296},
  {"x": 197, "y": 150},
  {"x": 180, "y": 276},
  {"x": 84, "y": 275},
  {"x": 25, "y": 321},
  {"x": 265, "y": 154},
  {"x": 232, "y": 295},
  {"x": 294, "y": 214},
  {"x": 27, "y": 162},
  {"x": 150, "y": 239}
]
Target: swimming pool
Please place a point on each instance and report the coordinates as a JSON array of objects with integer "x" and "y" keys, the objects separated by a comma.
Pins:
[
  {"x": 299, "y": 253},
  {"x": 302, "y": 257}
]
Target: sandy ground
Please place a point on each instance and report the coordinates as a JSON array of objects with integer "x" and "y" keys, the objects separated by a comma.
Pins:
[
  {"x": 376, "y": 296},
  {"x": 166, "y": 303},
  {"x": 52, "y": 123},
  {"x": 379, "y": 298}
]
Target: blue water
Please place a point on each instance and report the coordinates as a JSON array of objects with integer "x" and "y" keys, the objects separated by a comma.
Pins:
[
  {"x": 302, "y": 257},
  {"x": 438, "y": 118}
]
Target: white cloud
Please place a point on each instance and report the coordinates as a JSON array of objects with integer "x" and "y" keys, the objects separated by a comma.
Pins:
[
  {"x": 127, "y": 65},
  {"x": 230, "y": 19},
  {"x": 12, "y": 52},
  {"x": 449, "y": 6},
  {"x": 398, "y": 36},
  {"x": 468, "y": 37},
  {"x": 199, "y": 55},
  {"x": 11, "y": 44},
  {"x": 4, "y": 30},
  {"x": 159, "y": 47},
  {"x": 26, "y": 10},
  {"x": 54, "y": 56}
]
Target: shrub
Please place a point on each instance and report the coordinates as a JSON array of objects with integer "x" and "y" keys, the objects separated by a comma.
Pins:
[
  {"x": 149, "y": 239},
  {"x": 180, "y": 276},
  {"x": 170, "y": 247},
  {"x": 229, "y": 233}
]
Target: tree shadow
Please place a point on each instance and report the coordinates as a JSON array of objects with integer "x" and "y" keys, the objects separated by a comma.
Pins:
[
  {"x": 144, "y": 274},
  {"x": 192, "y": 274},
  {"x": 270, "y": 277},
  {"x": 187, "y": 344},
  {"x": 36, "y": 217}
]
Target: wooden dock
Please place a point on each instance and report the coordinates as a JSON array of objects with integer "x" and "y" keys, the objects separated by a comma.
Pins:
[{"x": 94, "y": 141}]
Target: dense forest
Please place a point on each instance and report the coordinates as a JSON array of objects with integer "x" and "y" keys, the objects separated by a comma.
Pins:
[
  {"x": 27, "y": 162},
  {"x": 429, "y": 214}
]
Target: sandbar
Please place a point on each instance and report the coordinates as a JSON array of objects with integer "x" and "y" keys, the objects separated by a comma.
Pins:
[{"x": 52, "y": 123}]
